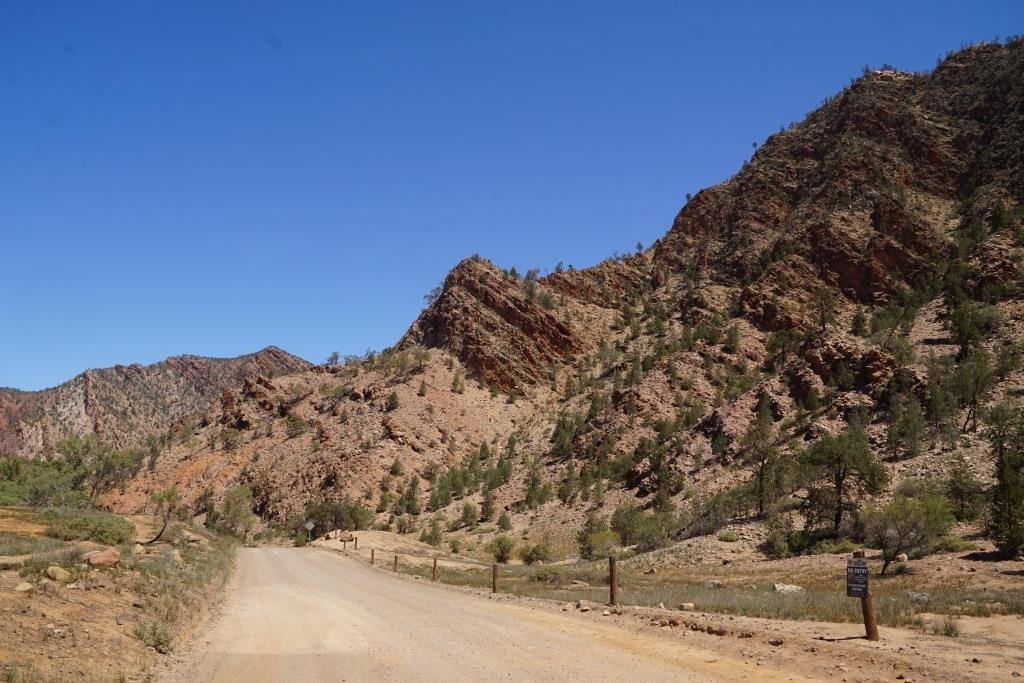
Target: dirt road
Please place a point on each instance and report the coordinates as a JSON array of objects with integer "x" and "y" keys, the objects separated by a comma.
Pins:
[{"x": 303, "y": 614}]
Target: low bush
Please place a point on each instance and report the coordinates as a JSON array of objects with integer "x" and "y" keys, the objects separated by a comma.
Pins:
[
  {"x": 155, "y": 634},
  {"x": 834, "y": 547},
  {"x": 552, "y": 576},
  {"x": 539, "y": 552},
  {"x": 89, "y": 526},
  {"x": 501, "y": 547},
  {"x": 952, "y": 544},
  {"x": 728, "y": 536},
  {"x": 504, "y": 522}
]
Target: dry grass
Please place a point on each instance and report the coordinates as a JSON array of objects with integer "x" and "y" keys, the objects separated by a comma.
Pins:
[
  {"x": 175, "y": 584},
  {"x": 896, "y": 602},
  {"x": 20, "y": 544}
]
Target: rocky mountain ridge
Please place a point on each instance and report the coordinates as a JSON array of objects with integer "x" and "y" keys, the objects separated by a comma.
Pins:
[
  {"x": 859, "y": 263},
  {"x": 125, "y": 403}
]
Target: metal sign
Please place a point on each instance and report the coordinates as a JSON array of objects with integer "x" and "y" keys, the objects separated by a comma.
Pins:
[
  {"x": 309, "y": 526},
  {"x": 856, "y": 577}
]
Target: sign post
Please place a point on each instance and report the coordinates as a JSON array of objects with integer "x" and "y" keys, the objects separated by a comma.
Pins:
[
  {"x": 309, "y": 530},
  {"x": 613, "y": 587},
  {"x": 857, "y": 587}
]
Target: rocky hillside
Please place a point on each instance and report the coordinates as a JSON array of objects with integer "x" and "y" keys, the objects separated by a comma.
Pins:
[
  {"x": 125, "y": 403},
  {"x": 863, "y": 268}
]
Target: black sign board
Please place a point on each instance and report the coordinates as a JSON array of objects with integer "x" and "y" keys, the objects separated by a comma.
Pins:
[{"x": 856, "y": 577}]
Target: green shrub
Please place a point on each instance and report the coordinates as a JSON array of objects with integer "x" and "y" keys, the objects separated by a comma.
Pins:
[
  {"x": 155, "y": 634},
  {"x": 501, "y": 547},
  {"x": 89, "y": 526},
  {"x": 908, "y": 525},
  {"x": 434, "y": 535},
  {"x": 11, "y": 493},
  {"x": 600, "y": 544},
  {"x": 295, "y": 425},
  {"x": 952, "y": 544},
  {"x": 504, "y": 522},
  {"x": 728, "y": 536},
  {"x": 595, "y": 539},
  {"x": 539, "y": 552},
  {"x": 626, "y": 522},
  {"x": 236, "y": 516},
  {"x": 552, "y": 576},
  {"x": 834, "y": 547}
]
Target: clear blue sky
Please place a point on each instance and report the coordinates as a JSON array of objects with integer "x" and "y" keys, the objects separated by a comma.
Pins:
[{"x": 214, "y": 177}]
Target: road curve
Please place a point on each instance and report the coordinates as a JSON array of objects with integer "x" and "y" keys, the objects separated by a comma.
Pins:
[{"x": 303, "y": 614}]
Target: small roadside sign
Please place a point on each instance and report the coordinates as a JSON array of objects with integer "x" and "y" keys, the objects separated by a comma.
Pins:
[
  {"x": 856, "y": 577},
  {"x": 309, "y": 526}
]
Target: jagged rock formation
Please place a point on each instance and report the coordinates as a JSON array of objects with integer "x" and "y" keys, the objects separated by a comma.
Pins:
[
  {"x": 125, "y": 403},
  {"x": 489, "y": 322}
]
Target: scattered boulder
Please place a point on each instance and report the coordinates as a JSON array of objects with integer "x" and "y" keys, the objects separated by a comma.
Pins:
[
  {"x": 578, "y": 582},
  {"x": 23, "y": 587},
  {"x": 775, "y": 642},
  {"x": 11, "y": 562},
  {"x": 585, "y": 605},
  {"x": 108, "y": 557},
  {"x": 713, "y": 583},
  {"x": 58, "y": 574},
  {"x": 902, "y": 557},
  {"x": 788, "y": 588},
  {"x": 687, "y": 607}
]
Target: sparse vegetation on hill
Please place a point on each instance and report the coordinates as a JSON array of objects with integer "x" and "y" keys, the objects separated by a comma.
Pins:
[{"x": 823, "y": 352}]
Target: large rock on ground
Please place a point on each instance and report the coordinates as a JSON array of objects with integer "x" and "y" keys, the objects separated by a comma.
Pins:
[
  {"x": 58, "y": 574},
  {"x": 108, "y": 557}
]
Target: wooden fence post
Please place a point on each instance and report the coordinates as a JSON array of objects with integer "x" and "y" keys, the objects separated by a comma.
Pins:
[
  {"x": 396, "y": 563},
  {"x": 867, "y": 607},
  {"x": 357, "y": 543},
  {"x": 344, "y": 545},
  {"x": 433, "y": 574},
  {"x": 371, "y": 556},
  {"x": 613, "y": 588},
  {"x": 494, "y": 577}
]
